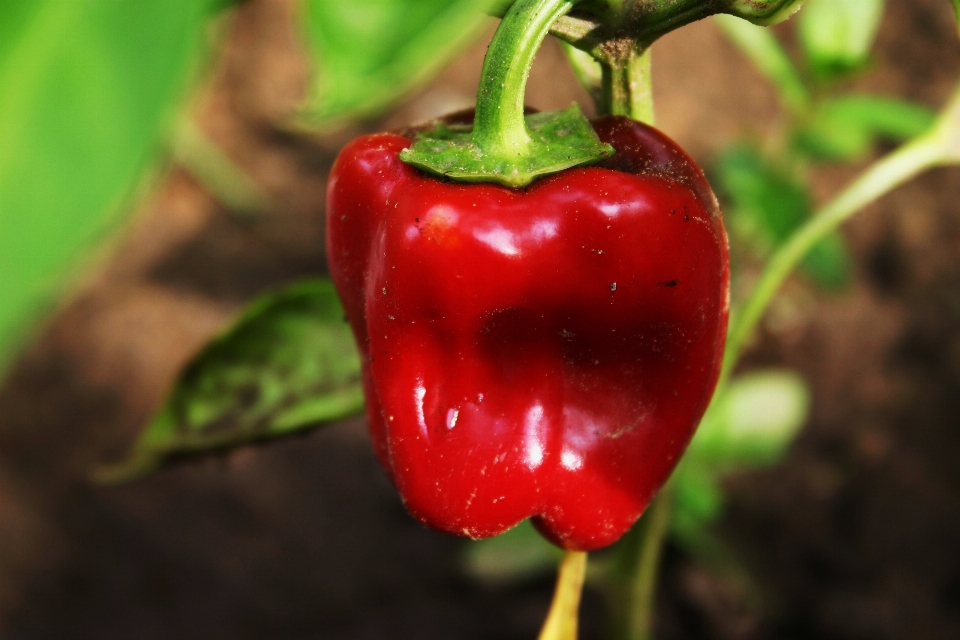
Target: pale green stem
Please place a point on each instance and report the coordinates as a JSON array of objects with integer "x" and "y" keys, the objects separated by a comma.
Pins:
[
  {"x": 561, "y": 622},
  {"x": 641, "y": 567},
  {"x": 884, "y": 176},
  {"x": 218, "y": 173},
  {"x": 499, "y": 124}
]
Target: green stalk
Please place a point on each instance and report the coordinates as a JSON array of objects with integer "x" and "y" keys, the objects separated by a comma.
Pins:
[
  {"x": 635, "y": 571},
  {"x": 627, "y": 88},
  {"x": 503, "y": 146},
  {"x": 499, "y": 126}
]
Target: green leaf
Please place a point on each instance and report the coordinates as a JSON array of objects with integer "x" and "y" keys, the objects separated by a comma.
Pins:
[
  {"x": 86, "y": 88},
  {"x": 837, "y": 34},
  {"x": 769, "y": 57},
  {"x": 287, "y": 365},
  {"x": 846, "y": 128},
  {"x": 828, "y": 262},
  {"x": 519, "y": 554},
  {"x": 368, "y": 53},
  {"x": 749, "y": 426},
  {"x": 696, "y": 495},
  {"x": 753, "y": 422},
  {"x": 956, "y": 10},
  {"x": 766, "y": 204}
]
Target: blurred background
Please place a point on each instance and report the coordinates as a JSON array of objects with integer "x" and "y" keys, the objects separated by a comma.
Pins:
[{"x": 854, "y": 534}]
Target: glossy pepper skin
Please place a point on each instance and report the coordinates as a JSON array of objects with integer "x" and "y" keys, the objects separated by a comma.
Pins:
[{"x": 544, "y": 352}]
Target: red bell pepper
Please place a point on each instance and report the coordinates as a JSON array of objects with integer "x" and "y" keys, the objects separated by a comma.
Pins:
[{"x": 544, "y": 352}]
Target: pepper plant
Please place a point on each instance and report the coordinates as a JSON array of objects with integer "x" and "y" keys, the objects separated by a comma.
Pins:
[{"x": 599, "y": 367}]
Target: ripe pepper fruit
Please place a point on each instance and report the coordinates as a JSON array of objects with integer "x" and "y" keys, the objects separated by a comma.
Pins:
[{"x": 544, "y": 352}]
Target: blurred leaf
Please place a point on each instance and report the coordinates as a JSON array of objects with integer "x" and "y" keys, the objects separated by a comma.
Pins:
[
  {"x": 764, "y": 200},
  {"x": 828, "y": 262},
  {"x": 85, "y": 90},
  {"x": 837, "y": 34},
  {"x": 896, "y": 119},
  {"x": 753, "y": 422},
  {"x": 368, "y": 53},
  {"x": 956, "y": 10},
  {"x": 846, "y": 128},
  {"x": 287, "y": 365},
  {"x": 750, "y": 425},
  {"x": 519, "y": 554},
  {"x": 767, "y": 54},
  {"x": 697, "y": 498},
  {"x": 766, "y": 205}
]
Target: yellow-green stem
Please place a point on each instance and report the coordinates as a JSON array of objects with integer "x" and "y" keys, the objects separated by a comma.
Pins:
[
  {"x": 643, "y": 588},
  {"x": 561, "y": 622},
  {"x": 634, "y": 572}
]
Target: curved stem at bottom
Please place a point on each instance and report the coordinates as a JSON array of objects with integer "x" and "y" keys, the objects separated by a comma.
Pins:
[{"x": 561, "y": 622}]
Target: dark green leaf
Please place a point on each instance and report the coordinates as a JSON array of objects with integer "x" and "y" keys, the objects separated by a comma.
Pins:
[
  {"x": 766, "y": 204},
  {"x": 846, "y": 128},
  {"x": 370, "y": 52},
  {"x": 85, "y": 90},
  {"x": 837, "y": 34},
  {"x": 287, "y": 365},
  {"x": 696, "y": 494},
  {"x": 828, "y": 262}
]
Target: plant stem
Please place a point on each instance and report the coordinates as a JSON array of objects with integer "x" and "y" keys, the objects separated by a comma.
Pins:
[
  {"x": 561, "y": 622},
  {"x": 636, "y": 569},
  {"x": 884, "y": 176},
  {"x": 938, "y": 146},
  {"x": 644, "y": 587},
  {"x": 627, "y": 88},
  {"x": 499, "y": 125},
  {"x": 218, "y": 173}
]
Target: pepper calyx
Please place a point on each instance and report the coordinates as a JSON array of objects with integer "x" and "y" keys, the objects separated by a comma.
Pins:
[{"x": 558, "y": 140}]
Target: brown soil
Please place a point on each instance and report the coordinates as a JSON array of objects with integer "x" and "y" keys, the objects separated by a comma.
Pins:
[{"x": 856, "y": 535}]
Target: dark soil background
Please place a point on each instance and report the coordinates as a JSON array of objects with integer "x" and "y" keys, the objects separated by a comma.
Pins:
[{"x": 856, "y": 535}]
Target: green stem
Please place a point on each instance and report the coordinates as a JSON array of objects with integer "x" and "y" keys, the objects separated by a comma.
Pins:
[
  {"x": 561, "y": 622},
  {"x": 499, "y": 125},
  {"x": 218, "y": 173},
  {"x": 636, "y": 570},
  {"x": 884, "y": 176},
  {"x": 627, "y": 88}
]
